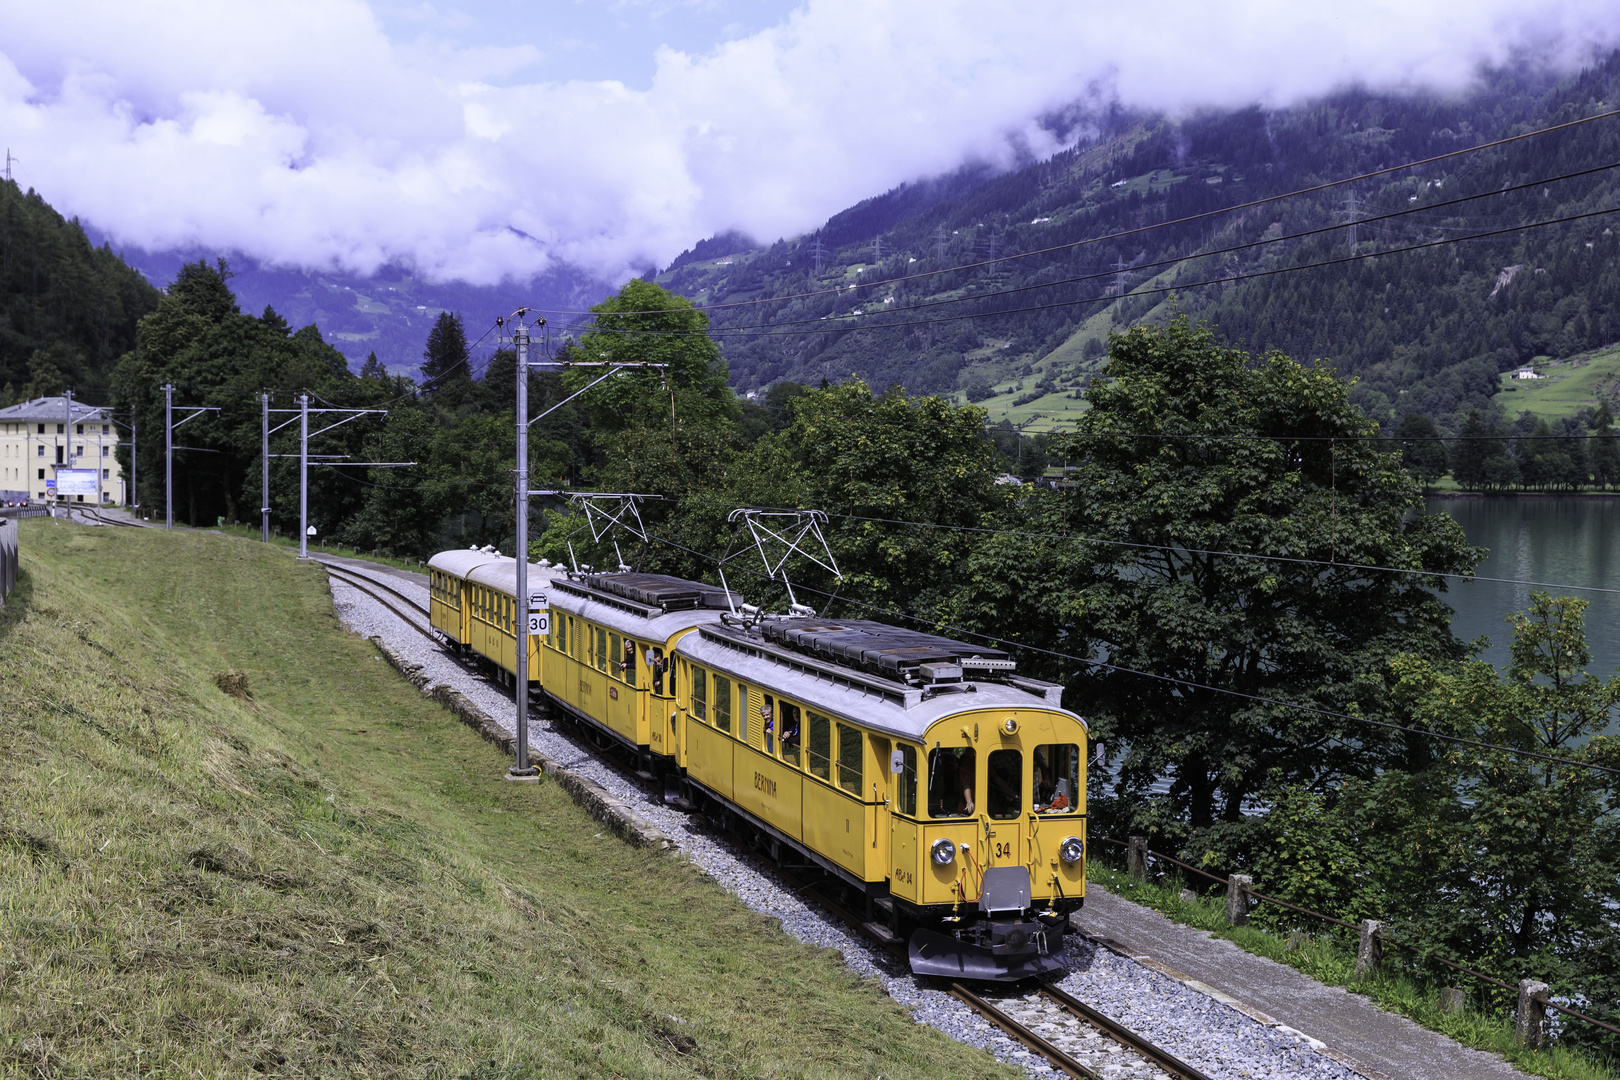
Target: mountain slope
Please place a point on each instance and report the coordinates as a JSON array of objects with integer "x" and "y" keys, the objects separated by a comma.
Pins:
[{"x": 1428, "y": 330}]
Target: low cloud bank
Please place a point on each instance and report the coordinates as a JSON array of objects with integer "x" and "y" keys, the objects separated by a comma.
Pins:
[{"x": 298, "y": 133}]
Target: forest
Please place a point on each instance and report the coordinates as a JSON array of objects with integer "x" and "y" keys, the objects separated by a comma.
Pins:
[{"x": 1423, "y": 283}]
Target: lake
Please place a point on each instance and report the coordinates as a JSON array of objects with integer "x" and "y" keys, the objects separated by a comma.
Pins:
[{"x": 1560, "y": 540}]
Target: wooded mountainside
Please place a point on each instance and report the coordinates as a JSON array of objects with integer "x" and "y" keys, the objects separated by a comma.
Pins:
[{"x": 1427, "y": 330}]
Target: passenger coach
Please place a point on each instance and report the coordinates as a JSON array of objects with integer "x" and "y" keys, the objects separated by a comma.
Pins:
[{"x": 923, "y": 771}]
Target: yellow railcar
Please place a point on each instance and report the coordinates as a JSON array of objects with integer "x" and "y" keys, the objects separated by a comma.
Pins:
[
  {"x": 448, "y": 610},
  {"x": 606, "y": 657},
  {"x": 924, "y": 772},
  {"x": 473, "y": 604}
]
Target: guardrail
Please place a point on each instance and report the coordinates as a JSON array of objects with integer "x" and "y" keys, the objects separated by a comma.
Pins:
[
  {"x": 1533, "y": 1001},
  {"x": 8, "y": 558}
]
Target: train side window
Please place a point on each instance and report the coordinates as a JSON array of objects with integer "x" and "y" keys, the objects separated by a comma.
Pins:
[
  {"x": 700, "y": 693},
  {"x": 722, "y": 702},
  {"x": 655, "y": 666},
  {"x": 767, "y": 723},
  {"x": 951, "y": 785},
  {"x": 601, "y": 649},
  {"x": 615, "y": 650},
  {"x": 849, "y": 759},
  {"x": 562, "y": 634},
  {"x": 1057, "y": 778},
  {"x": 629, "y": 661},
  {"x": 747, "y": 728},
  {"x": 905, "y": 786},
  {"x": 1004, "y": 790},
  {"x": 788, "y": 729},
  {"x": 551, "y": 631},
  {"x": 820, "y": 747}
]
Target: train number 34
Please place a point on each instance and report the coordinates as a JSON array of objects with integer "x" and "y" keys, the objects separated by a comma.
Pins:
[{"x": 1004, "y": 851}]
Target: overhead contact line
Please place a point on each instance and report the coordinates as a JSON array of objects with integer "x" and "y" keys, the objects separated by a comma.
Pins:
[
  {"x": 1187, "y": 683},
  {"x": 1202, "y": 216}
]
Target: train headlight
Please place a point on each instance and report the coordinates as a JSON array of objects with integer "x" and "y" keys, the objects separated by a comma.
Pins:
[
  {"x": 1072, "y": 850},
  {"x": 944, "y": 852}
]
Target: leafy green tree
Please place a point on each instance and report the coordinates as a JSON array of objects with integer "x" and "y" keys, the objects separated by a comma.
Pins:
[
  {"x": 1603, "y": 450},
  {"x": 1250, "y": 461},
  {"x": 1422, "y": 452},
  {"x": 1470, "y": 452},
  {"x": 644, "y": 324},
  {"x": 1517, "y": 860}
]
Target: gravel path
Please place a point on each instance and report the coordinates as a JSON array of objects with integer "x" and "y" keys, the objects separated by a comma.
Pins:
[{"x": 1219, "y": 1040}]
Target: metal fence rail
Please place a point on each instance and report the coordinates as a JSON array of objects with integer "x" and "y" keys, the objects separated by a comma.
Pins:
[{"x": 8, "y": 557}]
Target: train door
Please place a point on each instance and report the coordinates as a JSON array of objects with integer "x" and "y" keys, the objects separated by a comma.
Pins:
[
  {"x": 880, "y": 788},
  {"x": 904, "y": 831},
  {"x": 621, "y": 700},
  {"x": 1003, "y": 807}
]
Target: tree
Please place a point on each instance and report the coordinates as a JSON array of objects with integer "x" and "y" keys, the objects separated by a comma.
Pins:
[
  {"x": 1303, "y": 486},
  {"x": 1603, "y": 452},
  {"x": 644, "y": 324},
  {"x": 444, "y": 360},
  {"x": 1469, "y": 454},
  {"x": 1422, "y": 452},
  {"x": 1517, "y": 859}
]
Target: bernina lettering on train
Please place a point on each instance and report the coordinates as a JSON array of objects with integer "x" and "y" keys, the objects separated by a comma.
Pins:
[{"x": 765, "y": 784}]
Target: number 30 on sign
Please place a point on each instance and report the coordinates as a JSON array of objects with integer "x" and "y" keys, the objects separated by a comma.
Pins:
[{"x": 539, "y": 623}]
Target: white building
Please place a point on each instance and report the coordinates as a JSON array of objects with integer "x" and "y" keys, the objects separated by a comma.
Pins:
[
  {"x": 1526, "y": 372},
  {"x": 39, "y": 437}
]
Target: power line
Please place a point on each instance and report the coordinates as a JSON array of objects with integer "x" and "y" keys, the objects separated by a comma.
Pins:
[
  {"x": 939, "y": 240},
  {"x": 764, "y": 330},
  {"x": 1188, "y": 683}
]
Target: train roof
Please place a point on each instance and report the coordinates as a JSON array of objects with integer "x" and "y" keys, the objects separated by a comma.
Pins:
[
  {"x": 459, "y": 563},
  {"x": 651, "y": 607},
  {"x": 889, "y": 704},
  {"x": 878, "y": 647},
  {"x": 500, "y": 574}
]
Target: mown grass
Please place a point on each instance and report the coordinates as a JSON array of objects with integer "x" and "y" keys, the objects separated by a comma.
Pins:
[
  {"x": 328, "y": 878},
  {"x": 1332, "y": 961}
]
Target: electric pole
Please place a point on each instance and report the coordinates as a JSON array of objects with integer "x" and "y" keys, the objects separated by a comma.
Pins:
[
  {"x": 303, "y": 476},
  {"x": 168, "y": 456},
  {"x": 264, "y": 457},
  {"x": 522, "y": 768}
]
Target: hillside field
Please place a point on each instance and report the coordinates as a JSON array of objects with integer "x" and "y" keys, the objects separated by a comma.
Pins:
[{"x": 324, "y": 875}]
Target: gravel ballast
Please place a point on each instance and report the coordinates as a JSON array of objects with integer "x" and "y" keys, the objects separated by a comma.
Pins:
[{"x": 1202, "y": 1032}]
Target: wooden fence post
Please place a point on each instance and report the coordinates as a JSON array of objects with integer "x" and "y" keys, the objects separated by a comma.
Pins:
[
  {"x": 1136, "y": 858},
  {"x": 1237, "y": 899},
  {"x": 1371, "y": 950},
  {"x": 1530, "y": 1027}
]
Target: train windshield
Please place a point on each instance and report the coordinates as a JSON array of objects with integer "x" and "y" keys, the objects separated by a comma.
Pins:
[
  {"x": 951, "y": 772},
  {"x": 1057, "y": 777},
  {"x": 1003, "y": 795}
]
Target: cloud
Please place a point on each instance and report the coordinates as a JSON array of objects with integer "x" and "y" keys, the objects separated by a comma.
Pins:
[{"x": 297, "y": 132}]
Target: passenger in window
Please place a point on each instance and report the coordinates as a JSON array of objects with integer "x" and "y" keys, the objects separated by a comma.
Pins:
[
  {"x": 767, "y": 723},
  {"x": 655, "y": 664},
  {"x": 790, "y": 732},
  {"x": 950, "y": 781}
]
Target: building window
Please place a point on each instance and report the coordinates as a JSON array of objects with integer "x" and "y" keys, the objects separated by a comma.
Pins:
[
  {"x": 42, "y": 474},
  {"x": 42, "y": 429},
  {"x": 79, "y": 430},
  {"x": 61, "y": 429},
  {"x": 41, "y": 449},
  {"x": 106, "y": 474},
  {"x": 105, "y": 429},
  {"x": 106, "y": 451}
]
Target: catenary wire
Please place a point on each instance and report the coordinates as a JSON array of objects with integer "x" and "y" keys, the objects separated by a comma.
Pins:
[
  {"x": 1333, "y": 714},
  {"x": 764, "y": 330},
  {"x": 1136, "y": 231},
  {"x": 1192, "y": 257}
]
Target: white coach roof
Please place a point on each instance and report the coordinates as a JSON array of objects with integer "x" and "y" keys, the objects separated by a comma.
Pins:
[{"x": 459, "y": 563}]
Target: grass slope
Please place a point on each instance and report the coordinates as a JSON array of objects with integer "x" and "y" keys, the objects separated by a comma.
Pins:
[
  {"x": 1566, "y": 386},
  {"x": 327, "y": 877}
]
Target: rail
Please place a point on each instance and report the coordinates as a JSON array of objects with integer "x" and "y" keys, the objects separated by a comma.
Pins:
[
  {"x": 357, "y": 581},
  {"x": 1415, "y": 950}
]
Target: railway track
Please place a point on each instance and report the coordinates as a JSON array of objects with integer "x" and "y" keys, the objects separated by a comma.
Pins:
[
  {"x": 1074, "y": 1038},
  {"x": 417, "y": 619}
]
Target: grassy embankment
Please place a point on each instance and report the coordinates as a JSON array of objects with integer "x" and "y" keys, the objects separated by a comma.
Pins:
[
  {"x": 1333, "y": 962},
  {"x": 327, "y": 877}
]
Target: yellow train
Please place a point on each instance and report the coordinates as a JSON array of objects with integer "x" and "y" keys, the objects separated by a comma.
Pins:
[{"x": 924, "y": 773}]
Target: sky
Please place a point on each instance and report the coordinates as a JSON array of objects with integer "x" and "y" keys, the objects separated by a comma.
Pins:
[{"x": 483, "y": 141}]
